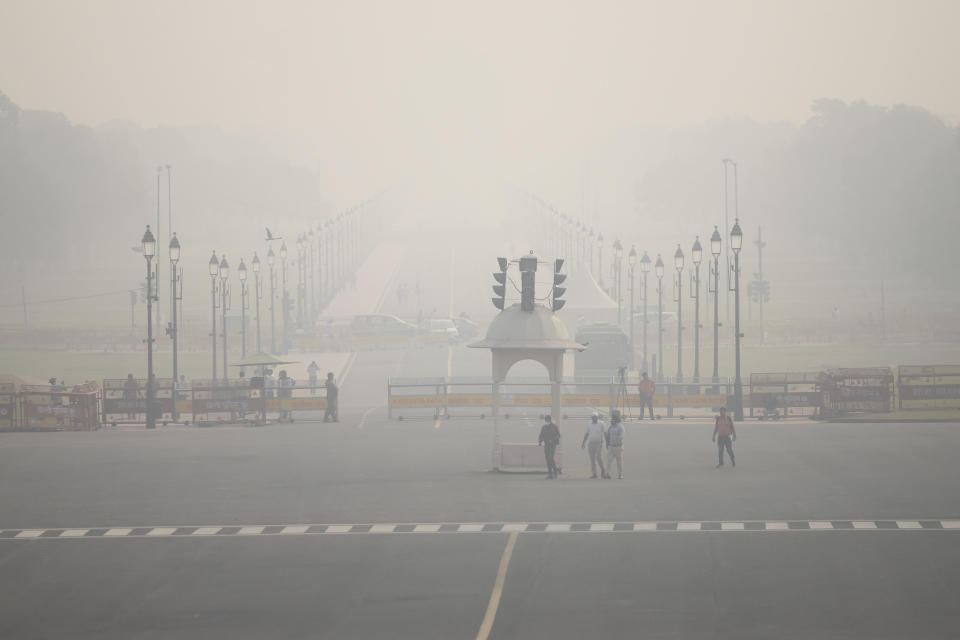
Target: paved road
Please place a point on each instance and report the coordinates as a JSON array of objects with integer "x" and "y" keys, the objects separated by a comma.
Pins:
[{"x": 383, "y": 529}]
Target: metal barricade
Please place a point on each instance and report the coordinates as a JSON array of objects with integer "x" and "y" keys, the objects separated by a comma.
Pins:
[
  {"x": 218, "y": 401},
  {"x": 8, "y": 406},
  {"x": 125, "y": 401},
  {"x": 60, "y": 407},
  {"x": 776, "y": 395},
  {"x": 930, "y": 387},
  {"x": 868, "y": 389}
]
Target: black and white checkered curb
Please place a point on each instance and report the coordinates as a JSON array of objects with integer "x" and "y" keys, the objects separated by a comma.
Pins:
[{"x": 479, "y": 527}]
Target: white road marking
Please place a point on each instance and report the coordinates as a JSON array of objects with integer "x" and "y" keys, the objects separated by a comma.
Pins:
[
  {"x": 363, "y": 418},
  {"x": 295, "y": 529},
  {"x": 470, "y": 528},
  {"x": 644, "y": 526},
  {"x": 74, "y": 533},
  {"x": 510, "y": 527},
  {"x": 497, "y": 592},
  {"x": 162, "y": 531},
  {"x": 382, "y": 528},
  {"x": 820, "y": 524},
  {"x": 339, "y": 528},
  {"x": 777, "y": 526},
  {"x": 249, "y": 531},
  {"x": 950, "y": 524},
  {"x": 909, "y": 524},
  {"x": 688, "y": 526},
  {"x": 731, "y": 526},
  {"x": 426, "y": 528},
  {"x": 206, "y": 531},
  {"x": 30, "y": 533},
  {"x": 601, "y": 526},
  {"x": 864, "y": 524},
  {"x": 117, "y": 532}
]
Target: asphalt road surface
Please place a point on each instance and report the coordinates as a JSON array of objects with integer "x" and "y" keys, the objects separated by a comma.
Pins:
[{"x": 372, "y": 528}]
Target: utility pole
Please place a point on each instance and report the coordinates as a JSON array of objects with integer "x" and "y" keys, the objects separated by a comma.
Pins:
[{"x": 760, "y": 245}]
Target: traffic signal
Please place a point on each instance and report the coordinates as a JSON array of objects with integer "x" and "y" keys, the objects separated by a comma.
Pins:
[
  {"x": 528, "y": 283},
  {"x": 558, "y": 291},
  {"x": 500, "y": 289}
]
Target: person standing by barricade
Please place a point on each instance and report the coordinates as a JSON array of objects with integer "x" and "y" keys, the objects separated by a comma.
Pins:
[
  {"x": 594, "y": 438},
  {"x": 332, "y": 414},
  {"x": 286, "y": 385},
  {"x": 550, "y": 439},
  {"x": 723, "y": 427},
  {"x": 647, "y": 388},
  {"x": 312, "y": 372},
  {"x": 615, "y": 445}
]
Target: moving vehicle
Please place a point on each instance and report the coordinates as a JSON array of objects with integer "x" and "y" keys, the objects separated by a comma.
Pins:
[
  {"x": 379, "y": 324},
  {"x": 443, "y": 326},
  {"x": 607, "y": 350}
]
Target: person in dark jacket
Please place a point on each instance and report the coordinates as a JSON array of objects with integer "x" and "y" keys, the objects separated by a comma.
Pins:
[
  {"x": 332, "y": 414},
  {"x": 550, "y": 438}
]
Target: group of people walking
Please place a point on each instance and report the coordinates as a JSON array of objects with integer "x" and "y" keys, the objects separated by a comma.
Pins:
[{"x": 598, "y": 435}]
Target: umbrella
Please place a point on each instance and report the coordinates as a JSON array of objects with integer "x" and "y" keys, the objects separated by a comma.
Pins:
[{"x": 261, "y": 360}]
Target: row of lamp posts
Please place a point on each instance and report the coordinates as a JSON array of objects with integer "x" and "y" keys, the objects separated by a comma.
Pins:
[{"x": 571, "y": 237}]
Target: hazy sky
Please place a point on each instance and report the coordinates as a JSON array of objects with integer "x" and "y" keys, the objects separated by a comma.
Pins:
[{"x": 388, "y": 85}]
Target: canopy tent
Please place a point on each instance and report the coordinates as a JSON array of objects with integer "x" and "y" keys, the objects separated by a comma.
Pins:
[
  {"x": 261, "y": 360},
  {"x": 587, "y": 301}
]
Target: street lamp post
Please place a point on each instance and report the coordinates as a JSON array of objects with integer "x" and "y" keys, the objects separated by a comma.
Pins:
[
  {"x": 617, "y": 256},
  {"x": 697, "y": 255},
  {"x": 271, "y": 258},
  {"x": 736, "y": 243},
  {"x": 242, "y": 275},
  {"x": 149, "y": 244},
  {"x": 726, "y": 215},
  {"x": 224, "y": 306},
  {"x": 600, "y": 259},
  {"x": 591, "y": 240},
  {"x": 632, "y": 262},
  {"x": 214, "y": 268},
  {"x": 658, "y": 270},
  {"x": 715, "y": 252},
  {"x": 283, "y": 294},
  {"x": 256, "y": 292},
  {"x": 644, "y": 270},
  {"x": 313, "y": 282},
  {"x": 176, "y": 293},
  {"x": 678, "y": 264}
]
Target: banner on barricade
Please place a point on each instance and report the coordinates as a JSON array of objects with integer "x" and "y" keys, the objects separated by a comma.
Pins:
[{"x": 930, "y": 387}]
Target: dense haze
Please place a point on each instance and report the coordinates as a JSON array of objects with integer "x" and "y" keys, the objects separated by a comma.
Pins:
[{"x": 844, "y": 129}]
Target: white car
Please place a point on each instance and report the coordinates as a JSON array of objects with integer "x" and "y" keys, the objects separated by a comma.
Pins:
[{"x": 444, "y": 326}]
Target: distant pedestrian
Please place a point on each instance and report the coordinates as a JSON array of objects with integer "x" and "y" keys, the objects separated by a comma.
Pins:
[
  {"x": 130, "y": 389},
  {"x": 332, "y": 414},
  {"x": 269, "y": 383},
  {"x": 312, "y": 372},
  {"x": 615, "y": 445},
  {"x": 647, "y": 388},
  {"x": 286, "y": 384},
  {"x": 550, "y": 439},
  {"x": 725, "y": 430},
  {"x": 594, "y": 438}
]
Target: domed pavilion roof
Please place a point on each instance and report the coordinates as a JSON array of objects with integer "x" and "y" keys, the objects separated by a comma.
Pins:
[{"x": 517, "y": 329}]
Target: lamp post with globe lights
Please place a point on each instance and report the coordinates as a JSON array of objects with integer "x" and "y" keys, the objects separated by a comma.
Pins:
[
  {"x": 600, "y": 259},
  {"x": 658, "y": 270},
  {"x": 176, "y": 294},
  {"x": 617, "y": 258},
  {"x": 632, "y": 263},
  {"x": 213, "y": 268},
  {"x": 736, "y": 243},
  {"x": 678, "y": 265},
  {"x": 149, "y": 245},
  {"x": 224, "y": 307},
  {"x": 255, "y": 264},
  {"x": 696, "y": 254},
  {"x": 644, "y": 270},
  {"x": 284, "y": 304},
  {"x": 271, "y": 259},
  {"x": 715, "y": 289},
  {"x": 242, "y": 275}
]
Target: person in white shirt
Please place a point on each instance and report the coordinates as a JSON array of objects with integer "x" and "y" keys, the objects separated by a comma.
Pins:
[
  {"x": 615, "y": 445},
  {"x": 594, "y": 438}
]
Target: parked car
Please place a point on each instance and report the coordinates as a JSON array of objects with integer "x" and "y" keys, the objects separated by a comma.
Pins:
[
  {"x": 444, "y": 326},
  {"x": 468, "y": 328},
  {"x": 378, "y": 324}
]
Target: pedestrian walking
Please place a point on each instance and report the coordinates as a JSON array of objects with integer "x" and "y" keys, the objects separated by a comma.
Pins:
[
  {"x": 130, "y": 391},
  {"x": 332, "y": 414},
  {"x": 312, "y": 372},
  {"x": 723, "y": 431},
  {"x": 550, "y": 439},
  {"x": 647, "y": 388},
  {"x": 615, "y": 445},
  {"x": 285, "y": 392},
  {"x": 594, "y": 438}
]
